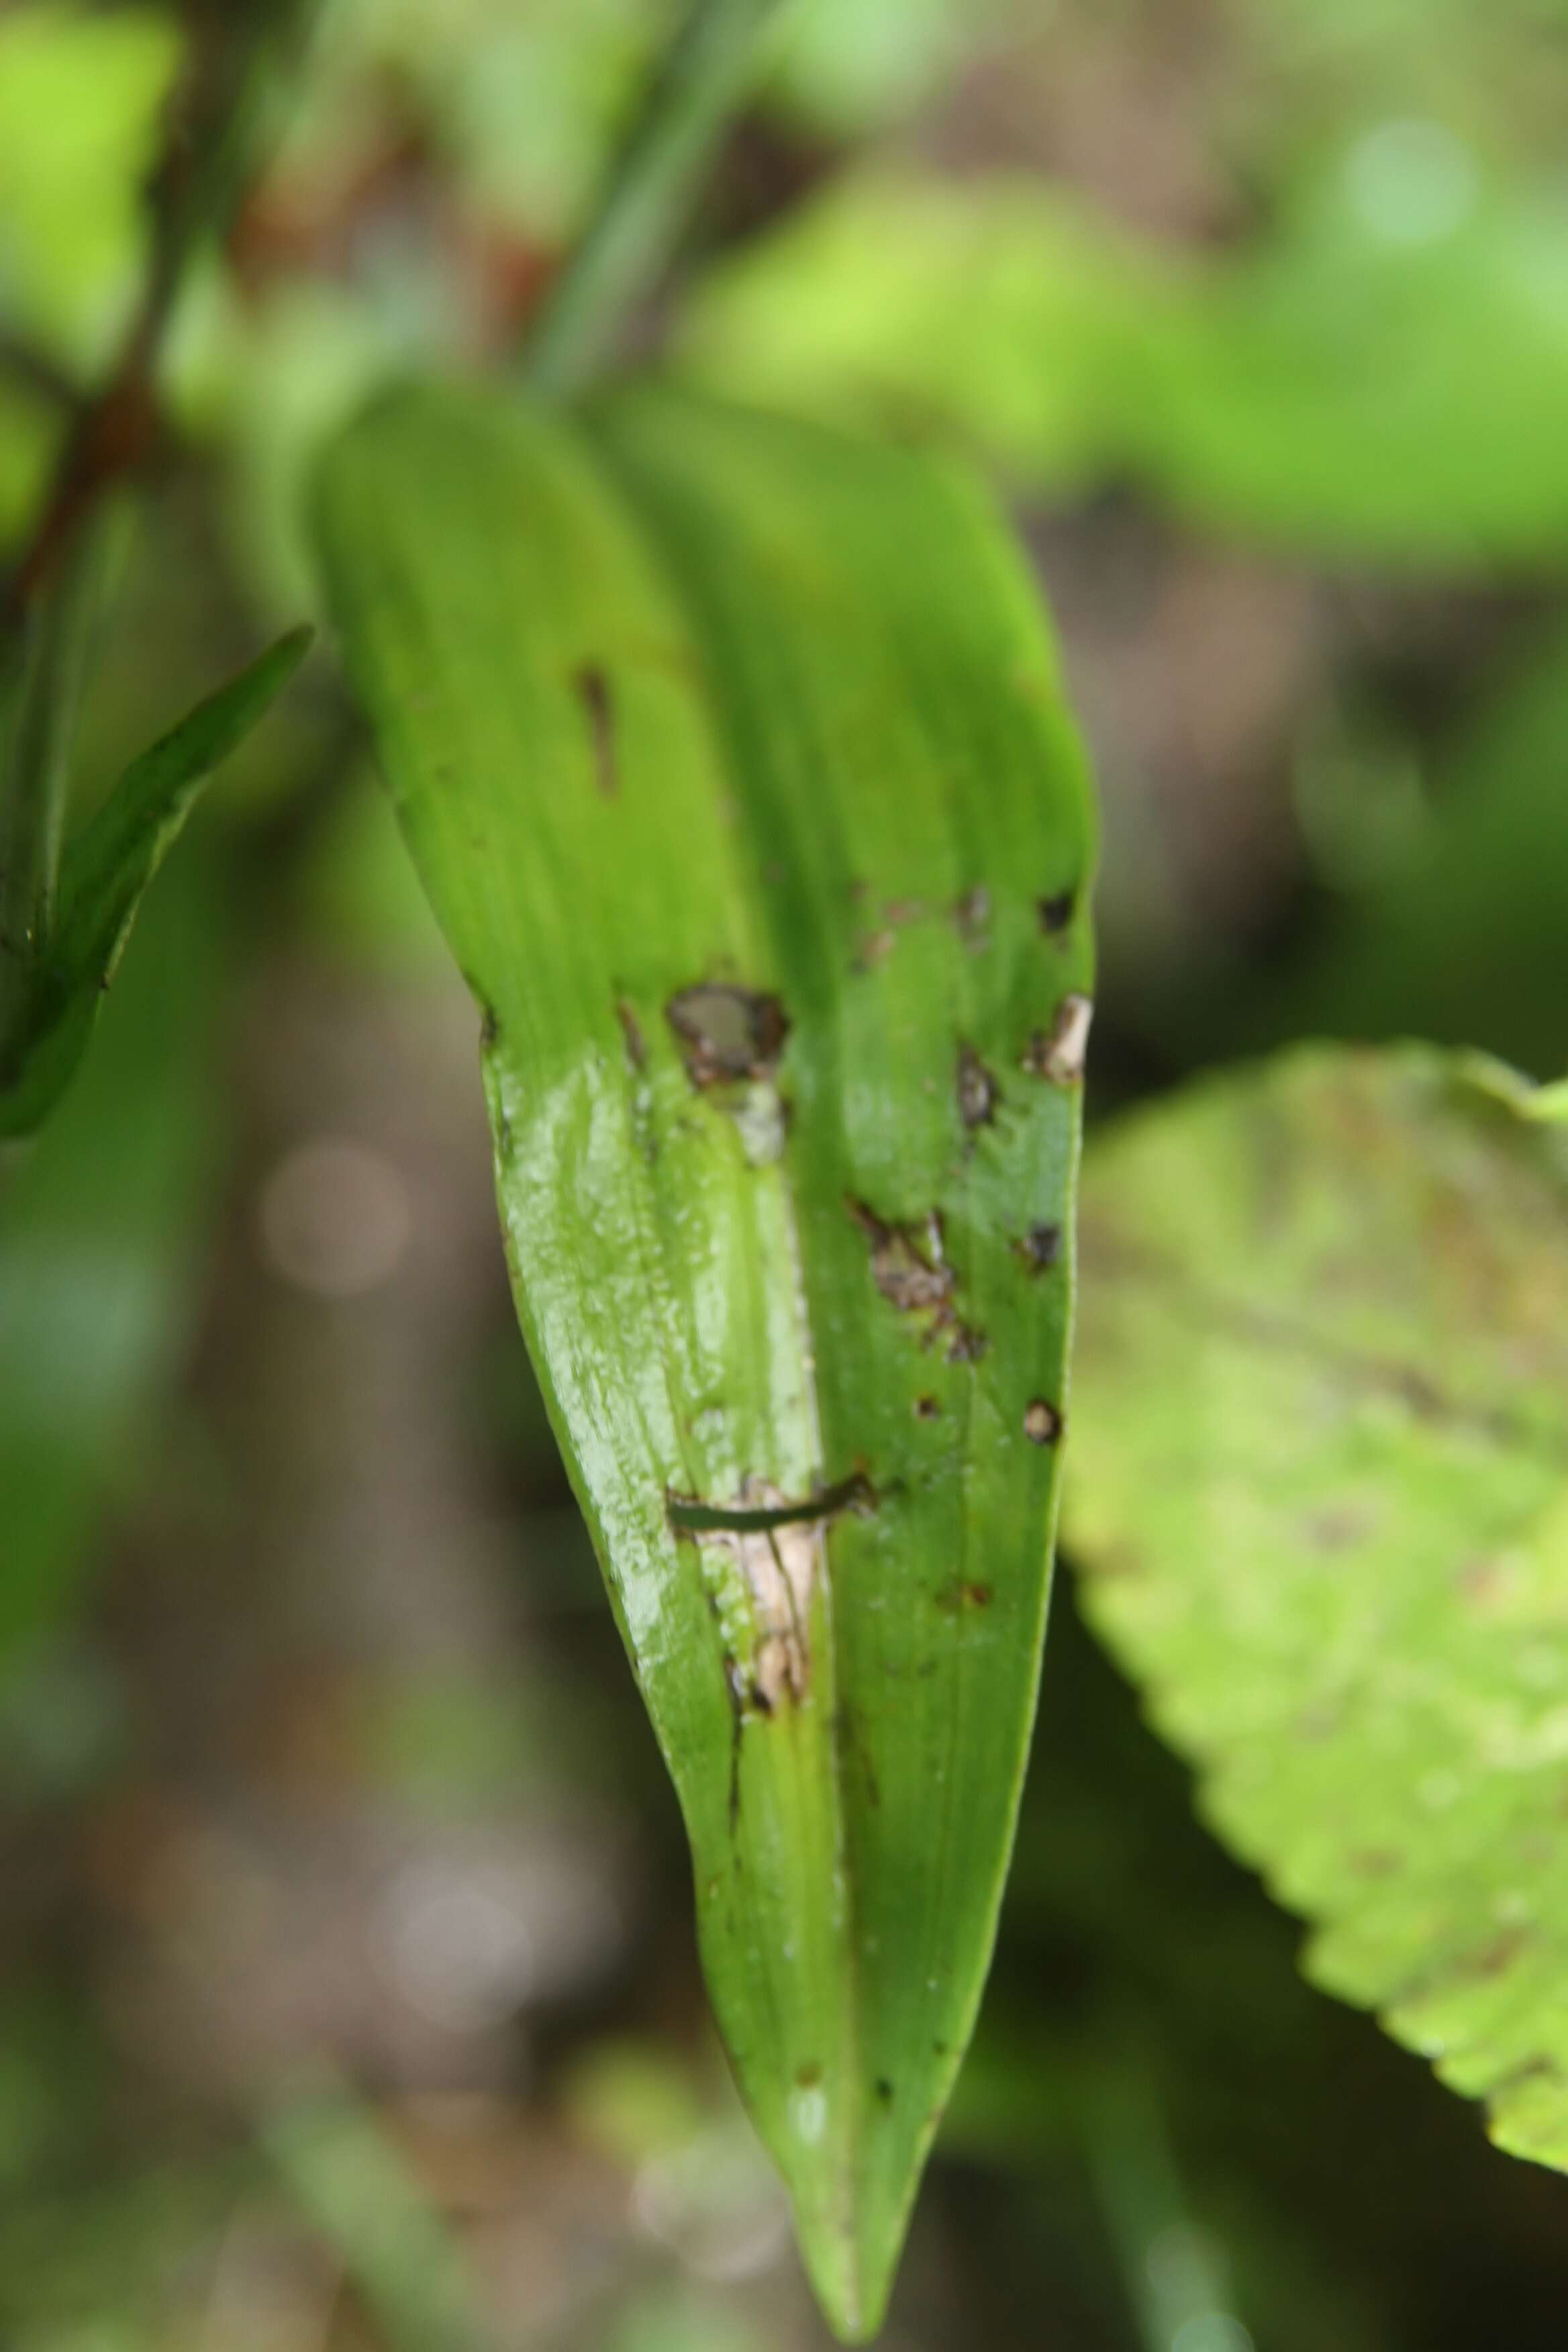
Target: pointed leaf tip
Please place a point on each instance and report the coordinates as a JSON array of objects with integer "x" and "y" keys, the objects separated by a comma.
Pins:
[
  {"x": 108, "y": 868},
  {"x": 116, "y": 855},
  {"x": 733, "y": 758}
]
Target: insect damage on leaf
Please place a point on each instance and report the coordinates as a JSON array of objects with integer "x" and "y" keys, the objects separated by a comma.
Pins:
[
  {"x": 978, "y": 1092},
  {"x": 728, "y": 1034},
  {"x": 773, "y": 1550},
  {"x": 780, "y": 1565},
  {"x": 1058, "y": 1053},
  {"x": 909, "y": 1264},
  {"x": 1041, "y": 1248},
  {"x": 1327, "y": 1334},
  {"x": 836, "y": 672}
]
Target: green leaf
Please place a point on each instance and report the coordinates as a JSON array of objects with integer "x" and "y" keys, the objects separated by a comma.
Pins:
[
  {"x": 1320, "y": 1493},
  {"x": 115, "y": 855},
  {"x": 1349, "y": 384},
  {"x": 353, "y": 2185},
  {"x": 106, "y": 872},
  {"x": 735, "y": 761}
]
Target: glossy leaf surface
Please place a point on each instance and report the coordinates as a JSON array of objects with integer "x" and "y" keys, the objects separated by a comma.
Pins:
[
  {"x": 734, "y": 759},
  {"x": 1320, "y": 1493}
]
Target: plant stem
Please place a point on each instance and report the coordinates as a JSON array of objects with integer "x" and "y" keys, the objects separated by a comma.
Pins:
[
  {"x": 217, "y": 140},
  {"x": 699, "y": 83}
]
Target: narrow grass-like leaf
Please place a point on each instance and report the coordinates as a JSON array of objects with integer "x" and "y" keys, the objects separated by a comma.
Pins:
[
  {"x": 107, "y": 869},
  {"x": 117, "y": 853},
  {"x": 1320, "y": 1493},
  {"x": 734, "y": 758}
]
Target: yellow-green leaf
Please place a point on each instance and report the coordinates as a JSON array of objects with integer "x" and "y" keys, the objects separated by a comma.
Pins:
[
  {"x": 734, "y": 758},
  {"x": 1320, "y": 1493}
]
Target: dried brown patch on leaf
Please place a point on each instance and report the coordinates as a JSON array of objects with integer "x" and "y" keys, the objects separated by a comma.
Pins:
[
  {"x": 1042, "y": 1423},
  {"x": 1055, "y": 913},
  {"x": 1058, "y": 1053},
  {"x": 909, "y": 1264},
  {"x": 776, "y": 1560},
  {"x": 728, "y": 1035},
  {"x": 978, "y": 1092}
]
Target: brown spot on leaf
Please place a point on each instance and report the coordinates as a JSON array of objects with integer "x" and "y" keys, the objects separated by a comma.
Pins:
[
  {"x": 631, "y": 1029},
  {"x": 808, "y": 2076},
  {"x": 1042, "y": 1423},
  {"x": 728, "y": 1034},
  {"x": 592, "y": 688},
  {"x": 954, "y": 1599},
  {"x": 1040, "y": 1248},
  {"x": 927, "y": 1408},
  {"x": 909, "y": 1267},
  {"x": 978, "y": 1092},
  {"x": 1058, "y": 1053},
  {"x": 873, "y": 949},
  {"x": 907, "y": 1261},
  {"x": 1056, "y": 913}
]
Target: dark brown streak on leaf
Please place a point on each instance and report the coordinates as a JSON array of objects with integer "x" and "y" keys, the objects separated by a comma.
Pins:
[
  {"x": 1056, "y": 913},
  {"x": 591, "y": 688},
  {"x": 853, "y": 1744},
  {"x": 728, "y": 1034},
  {"x": 689, "y": 1516},
  {"x": 978, "y": 1092},
  {"x": 631, "y": 1029}
]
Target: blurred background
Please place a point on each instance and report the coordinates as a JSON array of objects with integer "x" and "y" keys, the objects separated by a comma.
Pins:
[{"x": 348, "y": 1993}]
